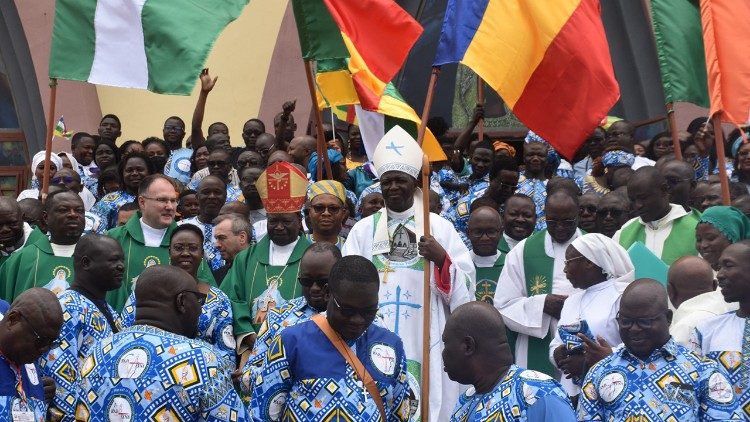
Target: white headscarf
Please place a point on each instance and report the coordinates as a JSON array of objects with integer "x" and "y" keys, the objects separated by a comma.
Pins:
[
  {"x": 39, "y": 157},
  {"x": 604, "y": 252},
  {"x": 73, "y": 161}
]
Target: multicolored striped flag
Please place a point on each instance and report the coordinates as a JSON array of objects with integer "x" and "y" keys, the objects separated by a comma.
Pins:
[
  {"x": 60, "y": 129},
  {"x": 727, "y": 52},
  {"x": 548, "y": 60},
  {"x": 159, "y": 45}
]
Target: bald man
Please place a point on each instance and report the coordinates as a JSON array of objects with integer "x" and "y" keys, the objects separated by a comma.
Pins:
[
  {"x": 27, "y": 331},
  {"x": 98, "y": 265},
  {"x": 667, "y": 230},
  {"x": 155, "y": 367},
  {"x": 650, "y": 367},
  {"x": 300, "y": 149},
  {"x": 477, "y": 353},
  {"x": 680, "y": 177},
  {"x": 485, "y": 229},
  {"x": 13, "y": 230}
]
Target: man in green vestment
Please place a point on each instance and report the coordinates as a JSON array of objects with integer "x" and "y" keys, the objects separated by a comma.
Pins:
[
  {"x": 265, "y": 275},
  {"x": 485, "y": 230},
  {"x": 13, "y": 230},
  {"x": 47, "y": 262},
  {"x": 145, "y": 237},
  {"x": 533, "y": 287},
  {"x": 667, "y": 230}
]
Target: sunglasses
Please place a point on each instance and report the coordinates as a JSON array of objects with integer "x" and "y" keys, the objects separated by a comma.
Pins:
[
  {"x": 591, "y": 209},
  {"x": 174, "y": 129},
  {"x": 309, "y": 281},
  {"x": 615, "y": 213},
  {"x": 62, "y": 180},
  {"x": 320, "y": 209},
  {"x": 201, "y": 297},
  {"x": 367, "y": 313}
]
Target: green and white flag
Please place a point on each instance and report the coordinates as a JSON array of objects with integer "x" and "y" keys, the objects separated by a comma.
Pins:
[{"x": 159, "y": 45}]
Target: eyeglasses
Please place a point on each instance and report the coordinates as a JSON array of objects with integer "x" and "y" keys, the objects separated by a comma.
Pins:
[
  {"x": 591, "y": 209},
  {"x": 180, "y": 248},
  {"x": 41, "y": 341},
  {"x": 508, "y": 186},
  {"x": 217, "y": 163},
  {"x": 563, "y": 223},
  {"x": 615, "y": 213},
  {"x": 309, "y": 281},
  {"x": 62, "y": 180},
  {"x": 320, "y": 209},
  {"x": 572, "y": 259},
  {"x": 367, "y": 313},
  {"x": 478, "y": 233},
  {"x": 673, "y": 181},
  {"x": 643, "y": 323},
  {"x": 201, "y": 297},
  {"x": 174, "y": 128},
  {"x": 163, "y": 201}
]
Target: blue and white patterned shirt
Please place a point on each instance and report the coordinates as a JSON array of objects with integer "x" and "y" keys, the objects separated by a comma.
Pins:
[
  {"x": 672, "y": 384},
  {"x": 536, "y": 190},
  {"x": 291, "y": 313},
  {"x": 107, "y": 207},
  {"x": 510, "y": 399},
  {"x": 305, "y": 378},
  {"x": 214, "y": 324},
  {"x": 233, "y": 192},
  {"x": 210, "y": 251},
  {"x": 145, "y": 373},
  {"x": 460, "y": 213},
  {"x": 83, "y": 325}
]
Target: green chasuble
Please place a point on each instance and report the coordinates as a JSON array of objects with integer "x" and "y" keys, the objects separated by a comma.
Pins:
[
  {"x": 138, "y": 257},
  {"x": 34, "y": 265},
  {"x": 679, "y": 243},
  {"x": 538, "y": 269},
  {"x": 34, "y": 235},
  {"x": 254, "y": 286},
  {"x": 487, "y": 279}
]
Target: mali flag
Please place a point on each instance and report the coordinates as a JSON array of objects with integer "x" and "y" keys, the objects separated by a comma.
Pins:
[
  {"x": 727, "y": 52},
  {"x": 548, "y": 60}
]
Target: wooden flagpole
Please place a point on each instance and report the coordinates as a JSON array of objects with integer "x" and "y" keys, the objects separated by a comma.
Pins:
[
  {"x": 721, "y": 158},
  {"x": 424, "y": 399},
  {"x": 322, "y": 156},
  {"x": 673, "y": 129},
  {"x": 50, "y": 135},
  {"x": 480, "y": 101}
]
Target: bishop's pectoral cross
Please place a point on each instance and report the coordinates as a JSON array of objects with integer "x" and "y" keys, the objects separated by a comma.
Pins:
[{"x": 385, "y": 270}]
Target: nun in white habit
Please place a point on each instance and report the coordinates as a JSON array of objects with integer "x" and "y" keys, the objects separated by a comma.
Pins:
[{"x": 601, "y": 268}]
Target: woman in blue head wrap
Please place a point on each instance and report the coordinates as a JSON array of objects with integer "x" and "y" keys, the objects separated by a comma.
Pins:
[{"x": 613, "y": 158}]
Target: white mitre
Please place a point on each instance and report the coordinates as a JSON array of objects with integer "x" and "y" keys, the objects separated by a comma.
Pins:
[{"x": 398, "y": 151}]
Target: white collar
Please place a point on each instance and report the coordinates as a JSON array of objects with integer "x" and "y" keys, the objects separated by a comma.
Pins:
[
  {"x": 550, "y": 245},
  {"x": 152, "y": 237},
  {"x": 511, "y": 242},
  {"x": 675, "y": 212},
  {"x": 484, "y": 261}
]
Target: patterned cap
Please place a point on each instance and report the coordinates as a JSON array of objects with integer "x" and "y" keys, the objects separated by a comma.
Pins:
[
  {"x": 282, "y": 188},
  {"x": 398, "y": 151},
  {"x": 330, "y": 187},
  {"x": 618, "y": 158}
]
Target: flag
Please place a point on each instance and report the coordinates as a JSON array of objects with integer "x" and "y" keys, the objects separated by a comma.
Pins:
[
  {"x": 548, "y": 60},
  {"x": 727, "y": 52},
  {"x": 679, "y": 46},
  {"x": 343, "y": 77},
  {"x": 159, "y": 45},
  {"x": 378, "y": 34},
  {"x": 346, "y": 113},
  {"x": 60, "y": 129}
]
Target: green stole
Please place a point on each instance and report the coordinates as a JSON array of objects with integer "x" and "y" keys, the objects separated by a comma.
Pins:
[
  {"x": 538, "y": 269},
  {"x": 138, "y": 257},
  {"x": 487, "y": 279},
  {"x": 679, "y": 243},
  {"x": 34, "y": 265},
  {"x": 255, "y": 286}
]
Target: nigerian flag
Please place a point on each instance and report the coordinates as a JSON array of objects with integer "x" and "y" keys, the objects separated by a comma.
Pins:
[{"x": 159, "y": 45}]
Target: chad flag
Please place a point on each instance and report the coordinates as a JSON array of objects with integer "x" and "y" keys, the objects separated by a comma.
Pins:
[{"x": 548, "y": 60}]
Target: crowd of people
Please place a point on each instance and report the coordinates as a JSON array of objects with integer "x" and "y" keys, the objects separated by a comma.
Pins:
[{"x": 181, "y": 278}]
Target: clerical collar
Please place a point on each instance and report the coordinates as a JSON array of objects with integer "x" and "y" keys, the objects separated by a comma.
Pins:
[
  {"x": 152, "y": 237},
  {"x": 402, "y": 215},
  {"x": 279, "y": 255},
  {"x": 62, "y": 250},
  {"x": 510, "y": 241},
  {"x": 484, "y": 261},
  {"x": 674, "y": 213}
]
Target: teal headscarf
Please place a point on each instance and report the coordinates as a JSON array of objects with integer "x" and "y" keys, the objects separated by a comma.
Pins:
[{"x": 730, "y": 221}]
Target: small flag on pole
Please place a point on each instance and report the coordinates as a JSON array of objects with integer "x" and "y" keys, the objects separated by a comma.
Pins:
[{"x": 60, "y": 129}]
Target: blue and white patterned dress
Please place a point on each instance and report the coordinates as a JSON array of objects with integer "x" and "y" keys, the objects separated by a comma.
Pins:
[
  {"x": 107, "y": 207},
  {"x": 31, "y": 403},
  {"x": 511, "y": 398},
  {"x": 214, "y": 324},
  {"x": 210, "y": 251},
  {"x": 725, "y": 339},
  {"x": 304, "y": 378},
  {"x": 536, "y": 190},
  {"x": 672, "y": 384},
  {"x": 145, "y": 373},
  {"x": 83, "y": 325}
]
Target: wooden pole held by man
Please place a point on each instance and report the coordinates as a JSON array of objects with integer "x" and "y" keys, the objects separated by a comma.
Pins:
[{"x": 50, "y": 135}]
